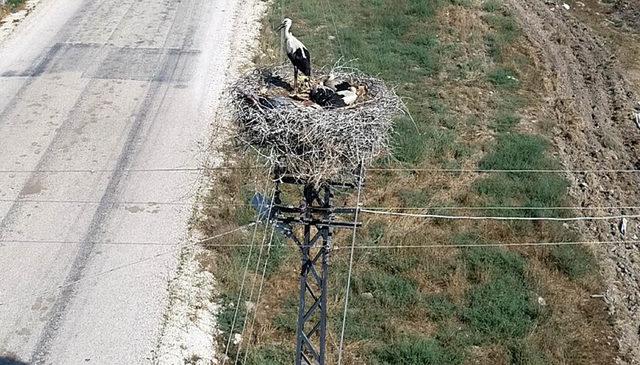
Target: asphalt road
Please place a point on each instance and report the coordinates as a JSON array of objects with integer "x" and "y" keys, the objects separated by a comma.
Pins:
[{"x": 92, "y": 92}]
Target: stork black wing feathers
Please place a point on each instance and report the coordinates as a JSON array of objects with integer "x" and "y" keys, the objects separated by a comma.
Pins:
[
  {"x": 327, "y": 98},
  {"x": 301, "y": 59}
]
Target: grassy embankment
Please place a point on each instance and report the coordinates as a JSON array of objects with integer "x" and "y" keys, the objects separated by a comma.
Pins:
[{"x": 469, "y": 78}]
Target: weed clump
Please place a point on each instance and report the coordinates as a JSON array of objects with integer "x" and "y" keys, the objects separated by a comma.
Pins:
[
  {"x": 503, "y": 77},
  {"x": 269, "y": 355},
  {"x": 411, "y": 351},
  {"x": 575, "y": 262}
]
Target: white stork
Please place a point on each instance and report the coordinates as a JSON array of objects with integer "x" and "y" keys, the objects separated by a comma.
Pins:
[{"x": 296, "y": 51}]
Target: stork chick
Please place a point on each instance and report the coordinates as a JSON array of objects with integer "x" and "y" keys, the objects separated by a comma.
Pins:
[
  {"x": 331, "y": 82},
  {"x": 296, "y": 51},
  {"x": 349, "y": 96}
]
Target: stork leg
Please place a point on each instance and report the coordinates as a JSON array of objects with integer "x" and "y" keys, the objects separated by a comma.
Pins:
[{"x": 295, "y": 80}]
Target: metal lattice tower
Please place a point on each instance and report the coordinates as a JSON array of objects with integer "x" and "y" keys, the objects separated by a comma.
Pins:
[{"x": 317, "y": 218}]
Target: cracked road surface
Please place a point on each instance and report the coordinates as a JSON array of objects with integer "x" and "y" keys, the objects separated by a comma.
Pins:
[{"x": 92, "y": 92}]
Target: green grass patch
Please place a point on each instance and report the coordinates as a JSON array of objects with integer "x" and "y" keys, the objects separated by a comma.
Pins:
[
  {"x": 286, "y": 319},
  {"x": 491, "y": 6},
  {"x": 366, "y": 321},
  {"x": 505, "y": 30},
  {"x": 227, "y": 313},
  {"x": 522, "y": 152},
  {"x": 392, "y": 264},
  {"x": 412, "y": 351},
  {"x": 409, "y": 145},
  {"x": 14, "y": 4},
  {"x": 573, "y": 261},
  {"x": 495, "y": 262},
  {"x": 440, "y": 307},
  {"x": 505, "y": 122},
  {"x": 503, "y": 77},
  {"x": 501, "y": 307},
  {"x": 270, "y": 355},
  {"x": 414, "y": 198},
  {"x": 388, "y": 290}
]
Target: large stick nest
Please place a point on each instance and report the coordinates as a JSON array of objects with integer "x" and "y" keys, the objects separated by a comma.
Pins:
[{"x": 311, "y": 142}]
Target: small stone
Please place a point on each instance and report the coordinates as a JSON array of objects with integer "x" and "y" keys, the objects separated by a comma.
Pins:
[
  {"x": 566, "y": 6},
  {"x": 542, "y": 302},
  {"x": 237, "y": 338},
  {"x": 249, "y": 305},
  {"x": 367, "y": 295}
]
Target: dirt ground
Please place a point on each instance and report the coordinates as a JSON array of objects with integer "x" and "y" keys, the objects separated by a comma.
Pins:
[
  {"x": 628, "y": 11},
  {"x": 589, "y": 96}
]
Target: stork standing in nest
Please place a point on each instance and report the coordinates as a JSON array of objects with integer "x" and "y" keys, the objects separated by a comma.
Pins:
[{"x": 296, "y": 51}]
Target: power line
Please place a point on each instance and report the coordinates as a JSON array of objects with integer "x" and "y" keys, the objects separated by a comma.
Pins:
[
  {"x": 351, "y": 254},
  {"x": 534, "y": 171},
  {"x": 118, "y": 243},
  {"x": 235, "y": 314},
  {"x": 470, "y": 245},
  {"x": 253, "y": 284},
  {"x": 373, "y": 169},
  {"x": 226, "y": 205},
  {"x": 162, "y": 169},
  {"x": 337, "y": 248},
  {"x": 622, "y": 207},
  {"x": 121, "y": 202},
  {"x": 255, "y": 309},
  {"x": 244, "y": 277},
  {"x": 497, "y": 218}
]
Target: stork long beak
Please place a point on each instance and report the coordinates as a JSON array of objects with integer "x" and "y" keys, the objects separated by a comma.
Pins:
[{"x": 280, "y": 27}]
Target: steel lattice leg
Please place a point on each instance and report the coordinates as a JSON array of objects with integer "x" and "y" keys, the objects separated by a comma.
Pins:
[{"x": 312, "y": 312}]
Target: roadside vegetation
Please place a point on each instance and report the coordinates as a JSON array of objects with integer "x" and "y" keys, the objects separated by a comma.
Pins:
[
  {"x": 470, "y": 82},
  {"x": 10, "y": 6}
]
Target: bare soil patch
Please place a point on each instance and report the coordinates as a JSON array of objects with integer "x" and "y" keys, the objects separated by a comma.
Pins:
[{"x": 592, "y": 102}]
